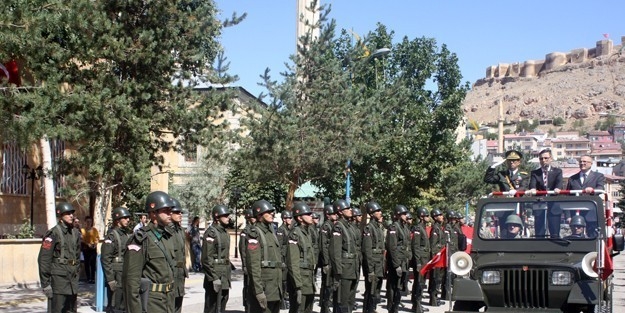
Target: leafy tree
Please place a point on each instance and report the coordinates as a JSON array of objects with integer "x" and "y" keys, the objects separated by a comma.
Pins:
[
  {"x": 115, "y": 85},
  {"x": 559, "y": 121}
]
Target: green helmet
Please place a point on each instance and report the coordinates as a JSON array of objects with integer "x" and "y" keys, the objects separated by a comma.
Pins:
[
  {"x": 435, "y": 213},
  {"x": 299, "y": 209},
  {"x": 514, "y": 219},
  {"x": 286, "y": 214},
  {"x": 157, "y": 200},
  {"x": 422, "y": 212},
  {"x": 262, "y": 206},
  {"x": 315, "y": 215},
  {"x": 329, "y": 209},
  {"x": 340, "y": 205},
  {"x": 451, "y": 214},
  {"x": 357, "y": 212},
  {"x": 220, "y": 210},
  {"x": 400, "y": 209},
  {"x": 249, "y": 213},
  {"x": 409, "y": 215},
  {"x": 372, "y": 207},
  {"x": 63, "y": 207},
  {"x": 177, "y": 207},
  {"x": 578, "y": 220},
  {"x": 120, "y": 212}
]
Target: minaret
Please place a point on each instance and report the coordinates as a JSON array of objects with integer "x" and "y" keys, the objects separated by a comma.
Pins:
[
  {"x": 304, "y": 14},
  {"x": 500, "y": 128}
]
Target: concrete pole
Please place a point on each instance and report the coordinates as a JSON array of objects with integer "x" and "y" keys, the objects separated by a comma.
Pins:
[{"x": 500, "y": 127}]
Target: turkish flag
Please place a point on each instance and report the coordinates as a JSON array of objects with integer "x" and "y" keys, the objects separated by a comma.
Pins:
[
  {"x": 608, "y": 265},
  {"x": 439, "y": 260},
  {"x": 468, "y": 232},
  {"x": 10, "y": 70}
]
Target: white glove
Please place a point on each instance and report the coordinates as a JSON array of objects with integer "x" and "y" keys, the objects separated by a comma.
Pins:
[
  {"x": 512, "y": 192},
  {"x": 498, "y": 163},
  {"x": 217, "y": 285}
]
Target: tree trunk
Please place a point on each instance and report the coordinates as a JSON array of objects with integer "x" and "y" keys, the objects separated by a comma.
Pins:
[
  {"x": 48, "y": 181},
  {"x": 102, "y": 207},
  {"x": 291, "y": 194}
]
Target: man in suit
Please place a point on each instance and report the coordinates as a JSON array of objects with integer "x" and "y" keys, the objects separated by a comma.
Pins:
[
  {"x": 588, "y": 181},
  {"x": 546, "y": 177},
  {"x": 511, "y": 178}
]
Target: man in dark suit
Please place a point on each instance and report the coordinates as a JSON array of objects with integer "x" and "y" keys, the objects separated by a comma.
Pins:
[
  {"x": 588, "y": 181},
  {"x": 511, "y": 178},
  {"x": 546, "y": 177}
]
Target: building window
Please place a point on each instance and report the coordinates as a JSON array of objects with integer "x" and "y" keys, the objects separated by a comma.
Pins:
[
  {"x": 13, "y": 179},
  {"x": 191, "y": 156}
]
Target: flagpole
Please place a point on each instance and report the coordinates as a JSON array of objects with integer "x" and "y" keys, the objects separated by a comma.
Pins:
[{"x": 348, "y": 182}]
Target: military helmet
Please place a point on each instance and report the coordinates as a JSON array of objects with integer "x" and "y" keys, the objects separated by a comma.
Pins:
[
  {"x": 120, "y": 212},
  {"x": 435, "y": 213},
  {"x": 357, "y": 212},
  {"x": 400, "y": 209},
  {"x": 299, "y": 209},
  {"x": 340, "y": 205},
  {"x": 315, "y": 215},
  {"x": 329, "y": 209},
  {"x": 262, "y": 206},
  {"x": 177, "y": 207},
  {"x": 514, "y": 219},
  {"x": 578, "y": 220},
  {"x": 422, "y": 212},
  {"x": 249, "y": 213},
  {"x": 63, "y": 207},
  {"x": 459, "y": 215},
  {"x": 220, "y": 210},
  {"x": 409, "y": 215},
  {"x": 372, "y": 206},
  {"x": 451, "y": 214},
  {"x": 287, "y": 214},
  {"x": 157, "y": 200}
]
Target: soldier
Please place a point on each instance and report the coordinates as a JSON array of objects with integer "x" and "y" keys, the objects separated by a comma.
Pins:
[
  {"x": 514, "y": 226},
  {"x": 112, "y": 259},
  {"x": 451, "y": 232},
  {"x": 437, "y": 242},
  {"x": 324, "y": 255},
  {"x": 511, "y": 178},
  {"x": 264, "y": 262},
  {"x": 300, "y": 261},
  {"x": 250, "y": 221},
  {"x": 148, "y": 272},
  {"x": 59, "y": 262},
  {"x": 179, "y": 239},
  {"x": 283, "y": 234},
  {"x": 421, "y": 255},
  {"x": 216, "y": 261},
  {"x": 373, "y": 256},
  {"x": 356, "y": 221},
  {"x": 314, "y": 233},
  {"x": 344, "y": 258},
  {"x": 397, "y": 248}
]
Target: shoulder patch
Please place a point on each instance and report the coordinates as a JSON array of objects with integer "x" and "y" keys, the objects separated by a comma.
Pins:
[
  {"x": 210, "y": 239},
  {"x": 134, "y": 247},
  {"x": 47, "y": 243},
  {"x": 108, "y": 241},
  {"x": 252, "y": 244}
]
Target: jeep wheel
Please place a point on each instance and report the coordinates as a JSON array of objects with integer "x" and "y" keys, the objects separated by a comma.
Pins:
[{"x": 470, "y": 306}]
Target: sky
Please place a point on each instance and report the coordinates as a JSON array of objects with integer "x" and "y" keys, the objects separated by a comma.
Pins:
[{"x": 480, "y": 32}]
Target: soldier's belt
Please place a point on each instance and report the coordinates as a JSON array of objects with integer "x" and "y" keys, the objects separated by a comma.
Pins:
[
  {"x": 270, "y": 264},
  {"x": 377, "y": 251},
  {"x": 67, "y": 261},
  {"x": 348, "y": 255},
  {"x": 306, "y": 265},
  {"x": 221, "y": 261},
  {"x": 118, "y": 259},
  {"x": 162, "y": 288}
]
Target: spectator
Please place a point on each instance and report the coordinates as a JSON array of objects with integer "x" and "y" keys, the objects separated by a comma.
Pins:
[
  {"x": 196, "y": 244},
  {"x": 90, "y": 238}
]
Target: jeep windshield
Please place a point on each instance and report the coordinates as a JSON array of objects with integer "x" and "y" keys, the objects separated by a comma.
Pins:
[{"x": 532, "y": 218}]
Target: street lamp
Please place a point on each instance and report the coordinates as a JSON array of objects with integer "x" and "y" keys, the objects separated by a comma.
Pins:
[
  {"x": 32, "y": 174},
  {"x": 236, "y": 193},
  {"x": 378, "y": 53}
]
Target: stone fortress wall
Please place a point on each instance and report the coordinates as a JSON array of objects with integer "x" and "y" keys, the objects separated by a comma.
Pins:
[{"x": 532, "y": 68}]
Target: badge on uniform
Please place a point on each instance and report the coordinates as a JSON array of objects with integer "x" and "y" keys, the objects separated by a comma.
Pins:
[
  {"x": 336, "y": 234},
  {"x": 108, "y": 241},
  {"x": 210, "y": 239},
  {"x": 134, "y": 247},
  {"x": 252, "y": 244},
  {"x": 292, "y": 242},
  {"x": 47, "y": 243}
]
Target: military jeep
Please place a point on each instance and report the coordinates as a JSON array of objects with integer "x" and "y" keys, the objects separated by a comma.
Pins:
[{"x": 542, "y": 264}]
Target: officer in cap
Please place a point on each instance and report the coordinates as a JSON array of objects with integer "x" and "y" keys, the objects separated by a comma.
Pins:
[
  {"x": 149, "y": 281},
  {"x": 511, "y": 178},
  {"x": 216, "y": 261},
  {"x": 420, "y": 247},
  {"x": 59, "y": 261},
  {"x": 112, "y": 259},
  {"x": 264, "y": 262},
  {"x": 373, "y": 256},
  {"x": 397, "y": 255},
  {"x": 250, "y": 220},
  {"x": 325, "y": 235},
  {"x": 344, "y": 258},
  {"x": 179, "y": 239},
  {"x": 300, "y": 261}
]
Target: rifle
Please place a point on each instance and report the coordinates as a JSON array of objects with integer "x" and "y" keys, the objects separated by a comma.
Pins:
[{"x": 144, "y": 292}]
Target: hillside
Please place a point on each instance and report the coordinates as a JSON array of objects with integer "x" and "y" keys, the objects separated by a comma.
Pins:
[{"x": 573, "y": 91}]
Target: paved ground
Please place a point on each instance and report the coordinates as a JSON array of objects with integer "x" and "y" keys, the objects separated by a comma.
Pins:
[{"x": 30, "y": 300}]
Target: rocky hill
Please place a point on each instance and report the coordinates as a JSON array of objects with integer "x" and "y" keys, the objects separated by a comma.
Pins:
[{"x": 572, "y": 89}]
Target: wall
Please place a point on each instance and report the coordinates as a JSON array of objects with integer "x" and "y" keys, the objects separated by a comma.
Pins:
[{"x": 532, "y": 68}]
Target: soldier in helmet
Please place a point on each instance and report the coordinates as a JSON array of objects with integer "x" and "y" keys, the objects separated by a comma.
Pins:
[
  {"x": 314, "y": 232},
  {"x": 283, "y": 234},
  {"x": 437, "y": 242},
  {"x": 397, "y": 253},
  {"x": 356, "y": 221},
  {"x": 344, "y": 258},
  {"x": 179, "y": 239},
  {"x": 112, "y": 259},
  {"x": 514, "y": 227},
  {"x": 578, "y": 227},
  {"x": 264, "y": 262},
  {"x": 420, "y": 247},
  {"x": 451, "y": 239},
  {"x": 250, "y": 220},
  {"x": 59, "y": 263},
  {"x": 216, "y": 261},
  {"x": 148, "y": 272},
  {"x": 373, "y": 256},
  {"x": 325, "y": 235},
  {"x": 300, "y": 261}
]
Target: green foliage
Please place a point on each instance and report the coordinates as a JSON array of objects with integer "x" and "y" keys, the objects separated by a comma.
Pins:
[
  {"x": 491, "y": 136},
  {"x": 526, "y": 126},
  {"x": 25, "y": 231},
  {"x": 559, "y": 121},
  {"x": 605, "y": 124}
]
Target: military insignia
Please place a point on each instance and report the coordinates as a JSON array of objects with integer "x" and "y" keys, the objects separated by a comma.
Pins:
[
  {"x": 336, "y": 233},
  {"x": 47, "y": 243},
  {"x": 108, "y": 241},
  {"x": 134, "y": 247},
  {"x": 210, "y": 239},
  {"x": 252, "y": 244},
  {"x": 391, "y": 232},
  {"x": 293, "y": 242}
]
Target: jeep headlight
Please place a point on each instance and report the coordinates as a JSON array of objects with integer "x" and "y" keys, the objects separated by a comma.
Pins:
[
  {"x": 560, "y": 278},
  {"x": 491, "y": 277}
]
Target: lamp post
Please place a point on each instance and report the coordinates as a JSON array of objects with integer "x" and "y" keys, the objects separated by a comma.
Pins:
[
  {"x": 378, "y": 53},
  {"x": 236, "y": 193},
  {"x": 32, "y": 174}
]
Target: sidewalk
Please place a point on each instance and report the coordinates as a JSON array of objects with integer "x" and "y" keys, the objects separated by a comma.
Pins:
[{"x": 31, "y": 300}]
